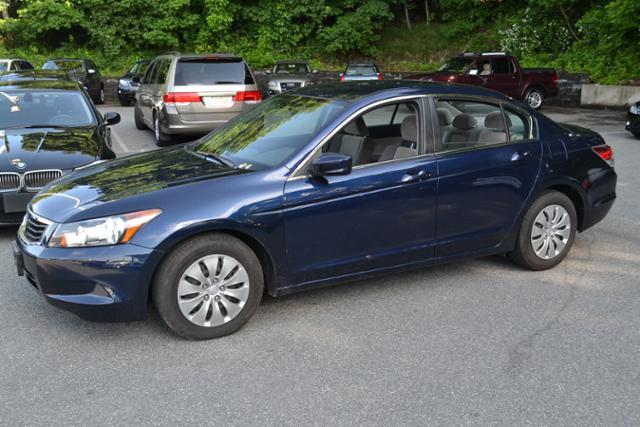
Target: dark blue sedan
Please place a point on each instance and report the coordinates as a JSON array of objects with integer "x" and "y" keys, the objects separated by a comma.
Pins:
[{"x": 317, "y": 186}]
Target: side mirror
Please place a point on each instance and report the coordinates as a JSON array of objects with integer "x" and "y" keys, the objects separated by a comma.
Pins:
[
  {"x": 329, "y": 164},
  {"x": 91, "y": 71},
  {"x": 315, "y": 71},
  {"x": 267, "y": 71},
  {"x": 136, "y": 79},
  {"x": 473, "y": 72},
  {"x": 111, "y": 118}
]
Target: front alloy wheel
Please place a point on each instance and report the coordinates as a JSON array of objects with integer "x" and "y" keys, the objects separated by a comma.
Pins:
[
  {"x": 213, "y": 290},
  {"x": 534, "y": 98}
]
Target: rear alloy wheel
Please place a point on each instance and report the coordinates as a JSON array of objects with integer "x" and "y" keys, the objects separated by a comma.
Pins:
[
  {"x": 547, "y": 232},
  {"x": 161, "y": 138},
  {"x": 208, "y": 287},
  {"x": 534, "y": 98}
]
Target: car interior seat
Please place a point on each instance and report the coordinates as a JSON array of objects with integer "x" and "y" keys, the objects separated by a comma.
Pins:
[
  {"x": 409, "y": 145},
  {"x": 463, "y": 132},
  {"x": 486, "y": 69},
  {"x": 494, "y": 131}
]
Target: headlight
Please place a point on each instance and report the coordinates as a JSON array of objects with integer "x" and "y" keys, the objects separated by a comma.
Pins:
[
  {"x": 635, "y": 109},
  {"x": 124, "y": 83},
  {"x": 110, "y": 230},
  {"x": 274, "y": 85}
]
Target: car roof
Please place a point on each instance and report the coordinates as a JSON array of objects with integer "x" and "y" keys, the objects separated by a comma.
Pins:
[
  {"x": 359, "y": 90},
  {"x": 39, "y": 84},
  {"x": 292, "y": 62},
  {"x": 362, "y": 64},
  {"x": 202, "y": 55},
  {"x": 36, "y": 75},
  {"x": 66, "y": 59}
]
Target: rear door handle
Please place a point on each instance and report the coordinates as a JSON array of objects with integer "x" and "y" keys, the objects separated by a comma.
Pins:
[
  {"x": 416, "y": 175},
  {"x": 520, "y": 156}
]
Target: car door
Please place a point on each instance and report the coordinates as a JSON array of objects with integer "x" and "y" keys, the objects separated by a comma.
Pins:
[
  {"x": 486, "y": 172},
  {"x": 145, "y": 92},
  {"x": 93, "y": 78},
  {"x": 380, "y": 215},
  {"x": 503, "y": 77}
]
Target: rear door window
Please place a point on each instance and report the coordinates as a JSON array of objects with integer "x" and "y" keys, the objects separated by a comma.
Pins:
[
  {"x": 211, "y": 71},
  {"x": 502, "y": 66},
  {"x": 162, "y": 69}
]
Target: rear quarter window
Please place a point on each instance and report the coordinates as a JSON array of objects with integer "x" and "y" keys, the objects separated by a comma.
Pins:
[{"x": 211, "y": 71}]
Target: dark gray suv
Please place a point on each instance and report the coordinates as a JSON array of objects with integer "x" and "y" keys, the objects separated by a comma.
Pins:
[{"x": 189, "y": 94}]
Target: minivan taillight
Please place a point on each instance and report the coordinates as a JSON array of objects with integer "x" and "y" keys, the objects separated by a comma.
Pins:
[
  {"x": 248, "y": 96},
  {"x": 605, "y": 152},
  {"x": 554, "y": 79},
  {"x": 180, "y": 97}
]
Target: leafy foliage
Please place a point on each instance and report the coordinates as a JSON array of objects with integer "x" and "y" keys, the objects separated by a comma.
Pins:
[{"x": 599, "y": 37}]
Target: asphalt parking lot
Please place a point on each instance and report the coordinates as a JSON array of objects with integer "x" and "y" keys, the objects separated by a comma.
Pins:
[{"x": 478, "y": 342}]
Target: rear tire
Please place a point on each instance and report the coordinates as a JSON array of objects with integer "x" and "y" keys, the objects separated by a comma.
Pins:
[
  {"x": 100, "y": 97},
  {"x": 138, "y": 119},
  {"x": 547, "y": 232},
  {"x": 162, "y": 139},
  {"x": 534, "y": 98},
  {"x": 192, "y": 302}
]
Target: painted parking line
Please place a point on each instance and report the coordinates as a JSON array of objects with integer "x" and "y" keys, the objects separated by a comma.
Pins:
[{"x": 115, "y": 138}]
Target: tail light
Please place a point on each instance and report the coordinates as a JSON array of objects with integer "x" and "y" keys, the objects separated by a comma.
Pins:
[
  {"x": 342, "y": 77},
  {"x": 180, "y": 97},
  {"x": 605, "y": 152},
  {"x": 248, "y": 96},
  {"x": 554, "y": 79},
  {"x": 379, "y": 76}
]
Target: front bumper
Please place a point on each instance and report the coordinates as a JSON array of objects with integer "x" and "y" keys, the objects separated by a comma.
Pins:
[
  {"x": 13, "y": 205},
  {"x": 109, "y": 283},
  {"x": 633, "y": 123}
]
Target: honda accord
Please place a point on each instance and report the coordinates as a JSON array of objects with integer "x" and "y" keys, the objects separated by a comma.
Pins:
[{"x": 320, "y": 185}]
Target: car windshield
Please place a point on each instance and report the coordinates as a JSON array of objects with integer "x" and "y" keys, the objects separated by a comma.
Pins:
[
  {"x": 65, "y": 65},
  {"x": 20, "y": 108},
  {"x": 292, "y": 68},
  {"x": 361, "y": 70},
  {"x": 139, "y": 67},
  {"x": 4, "y": 65},
  {"x": 270, "y": 133},
  {"x": 456, "y": 65},
  {"x": 206, "y": 71}
]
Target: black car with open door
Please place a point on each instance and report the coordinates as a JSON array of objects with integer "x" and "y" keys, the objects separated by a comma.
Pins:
[
  {"x": 82, "y": 70},
  {"x": 48, "y": 128}
]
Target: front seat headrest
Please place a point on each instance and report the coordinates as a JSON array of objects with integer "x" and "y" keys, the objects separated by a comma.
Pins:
[
  {"x": 444, "y": 117},
  {"x": 356, "y": 127},
  {"x": 409, "y": 129},
  {"x": 464, "y": 121}
]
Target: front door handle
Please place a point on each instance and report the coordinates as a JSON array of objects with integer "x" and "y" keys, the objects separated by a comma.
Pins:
[
  {"x": 416, "y": 175},
  {"x": 520, "y": 156}
]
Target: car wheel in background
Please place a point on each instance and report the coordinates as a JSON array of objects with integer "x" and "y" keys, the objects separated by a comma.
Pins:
[
  {"x": 208, "y": 286},
  {"x": 161, "y": 138},
  {"x": 534, "y": 98},
  {"x": 137, "y": 119},
  {"x": 100, "y": 97},
  {"x": 547, "y": 232}
]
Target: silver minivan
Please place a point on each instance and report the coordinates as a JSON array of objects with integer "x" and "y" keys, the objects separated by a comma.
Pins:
[{"x": 189, "y": 94}]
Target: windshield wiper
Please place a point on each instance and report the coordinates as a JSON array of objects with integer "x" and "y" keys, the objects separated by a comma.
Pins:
[
  {"x": 223, "y": 161},
  {"x": 224, "y": 82}
]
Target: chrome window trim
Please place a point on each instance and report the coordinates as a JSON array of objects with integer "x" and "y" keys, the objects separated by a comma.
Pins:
[{"x": 420, "y": 97}]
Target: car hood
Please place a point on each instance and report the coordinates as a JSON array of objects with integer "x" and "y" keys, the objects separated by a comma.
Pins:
[
  {"x": 23, "y": 150},
  {"x": 124, "y": 178}
]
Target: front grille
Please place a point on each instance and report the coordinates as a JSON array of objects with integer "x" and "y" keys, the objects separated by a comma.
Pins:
[
  {"x": 9, "y": 181},
  {"x": 34, "y": 228},
  {"x": 35, "y": 180}
]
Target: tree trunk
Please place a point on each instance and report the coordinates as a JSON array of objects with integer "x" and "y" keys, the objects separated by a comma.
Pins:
[
  {"x": 426, "y": 11},
  {"x": 4, "y": 7},
  {"x": 566, "y": 19},
  {"x": 406, "y": 15}
]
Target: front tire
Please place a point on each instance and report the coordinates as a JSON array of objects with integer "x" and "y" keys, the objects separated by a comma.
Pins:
[
  {"x": 547, "y": 232},
  {"x": 534, "y": 98},
  {"x": 208, "y": 287},
  {"x": 100, "y": 97},
  {"x": 137, "y": 119}
]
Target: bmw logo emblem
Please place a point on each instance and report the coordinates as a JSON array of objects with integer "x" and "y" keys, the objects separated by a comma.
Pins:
[{"x": 19, "y": 164}]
